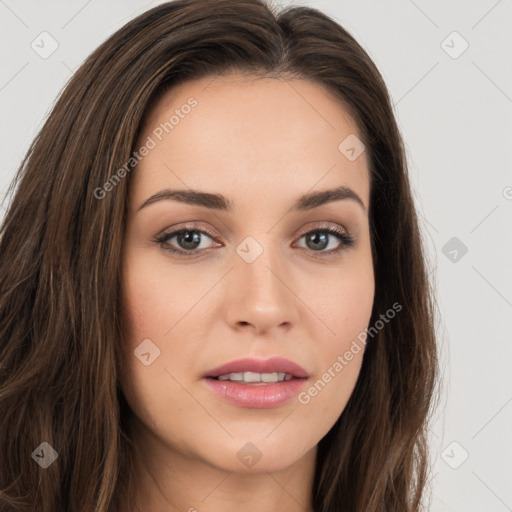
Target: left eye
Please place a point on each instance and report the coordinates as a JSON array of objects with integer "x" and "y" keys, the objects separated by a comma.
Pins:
[
  {"x": 189, "y": 240},
  {"x": 318, "y": 240}
]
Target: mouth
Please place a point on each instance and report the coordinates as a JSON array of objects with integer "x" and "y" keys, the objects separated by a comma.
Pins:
[
  {"x": 255, "y": 378},
  {"x": 257, "y": 383},
  {"x": 250, "y": 371}
]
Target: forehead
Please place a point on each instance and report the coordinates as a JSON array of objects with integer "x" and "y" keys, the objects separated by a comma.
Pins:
[{"x": 251, "y": 133}]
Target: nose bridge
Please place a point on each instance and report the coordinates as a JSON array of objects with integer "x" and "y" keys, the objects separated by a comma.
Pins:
[
  {"x": 259, "y": 262},
  {"x": 260, "y": 295}
]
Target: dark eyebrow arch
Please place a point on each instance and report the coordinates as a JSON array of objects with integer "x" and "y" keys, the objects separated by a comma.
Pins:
[{"x": 219, "y": 202}]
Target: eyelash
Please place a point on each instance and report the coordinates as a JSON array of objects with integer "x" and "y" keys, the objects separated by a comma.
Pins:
[{"x": 346, "y": 239}]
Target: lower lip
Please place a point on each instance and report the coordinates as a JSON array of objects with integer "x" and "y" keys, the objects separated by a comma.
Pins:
[{"x": 262, "y": 396}]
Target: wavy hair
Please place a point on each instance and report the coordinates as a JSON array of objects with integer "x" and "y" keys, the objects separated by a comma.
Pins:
[{"x": 61, "y": 329}]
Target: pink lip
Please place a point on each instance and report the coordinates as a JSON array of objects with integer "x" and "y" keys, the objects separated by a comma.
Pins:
[
  {"x": 259, "y": 396},
  {"x": 262, "y": 396},
  {"x": 271, "y": 365}
]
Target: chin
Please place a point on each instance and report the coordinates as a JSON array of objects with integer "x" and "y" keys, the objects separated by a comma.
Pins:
[{"x": 257, "y": 456}]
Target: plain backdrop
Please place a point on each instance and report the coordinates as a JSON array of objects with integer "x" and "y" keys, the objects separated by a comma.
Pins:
[{"x": 448, "y": 69}]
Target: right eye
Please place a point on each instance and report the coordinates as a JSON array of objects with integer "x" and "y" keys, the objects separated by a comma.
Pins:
[{"x": 188, "y": 239}]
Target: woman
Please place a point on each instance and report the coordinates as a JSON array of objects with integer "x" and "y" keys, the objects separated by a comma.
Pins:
[{"x": 213, "y": 283}]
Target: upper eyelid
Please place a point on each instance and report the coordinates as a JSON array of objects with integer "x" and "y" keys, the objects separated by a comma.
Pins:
[
  {"x": 321, "y": 225},
  {"x": 191, "y": 227},
  {"x": 316, "y": 225}
]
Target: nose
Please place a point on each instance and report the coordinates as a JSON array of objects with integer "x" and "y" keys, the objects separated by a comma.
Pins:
[{"x": 261, "y": 293}]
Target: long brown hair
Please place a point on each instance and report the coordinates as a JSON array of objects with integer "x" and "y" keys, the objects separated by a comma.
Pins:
[{"x": 60, "y": 306}]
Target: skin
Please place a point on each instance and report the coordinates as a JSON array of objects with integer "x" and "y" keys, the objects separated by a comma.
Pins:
[{"x": 261, "y": 143}]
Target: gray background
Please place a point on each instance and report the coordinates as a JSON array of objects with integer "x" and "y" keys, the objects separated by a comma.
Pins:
[{"x": 454, "y": 112}]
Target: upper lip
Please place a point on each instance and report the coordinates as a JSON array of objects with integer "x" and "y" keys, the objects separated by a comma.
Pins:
[{"x": 271, "y": 365}]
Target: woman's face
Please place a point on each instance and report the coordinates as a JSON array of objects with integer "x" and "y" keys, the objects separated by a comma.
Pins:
[{"x": 264, "y": 279}]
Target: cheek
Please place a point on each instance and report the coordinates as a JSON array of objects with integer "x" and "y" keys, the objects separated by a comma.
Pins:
[
  {"x": 340, "y": 359},
  {"x": 344, "y": 304},
  {"x": 146, "y": 309},
  {"x": 346, "y": 309},
  {"x": 151, "y": 310},
  {"x": 158, "y": 303},
  {"x": 155, "y": 298}
]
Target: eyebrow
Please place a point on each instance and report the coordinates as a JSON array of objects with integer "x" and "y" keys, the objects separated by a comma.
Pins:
[{"x": 220, "y": 202}]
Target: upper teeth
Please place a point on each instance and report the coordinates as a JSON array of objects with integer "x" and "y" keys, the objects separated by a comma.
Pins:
[{"x": 256, "y": 377}]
